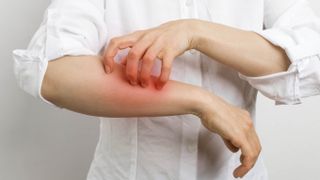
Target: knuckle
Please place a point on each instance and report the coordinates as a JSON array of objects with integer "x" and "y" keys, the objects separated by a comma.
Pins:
[
  {"x": 249, "y": 156},
  {"x": 163, "y": 79},
  {"x": 131, "y": 40},
  {"x": 147, "y": 37},
  {"x": 169, "y": 51},
  {"x": 113, "y": 41},
  {"x": 148, "y": 58},
  {"x": 133, "y": 54},
  {"x": 166, "y": 69},
  {"x": 249, "y": 165},
  {"x": 162, "y": 42},
  {"x": 131, "y": 73},
  {"x": 245, "y": 113},
  {"x": 131, "y": 76},
  {"x": 247, "y": 125},
  {"x": 250, "y": 124}
]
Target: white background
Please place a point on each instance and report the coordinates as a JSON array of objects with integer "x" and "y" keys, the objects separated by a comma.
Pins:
[{"x": 38, "y": 142}]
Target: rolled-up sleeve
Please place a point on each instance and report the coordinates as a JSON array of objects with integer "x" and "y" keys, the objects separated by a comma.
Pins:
[
  {"x": 70, "y": 28},
  {"x": 293, "y": 26}
]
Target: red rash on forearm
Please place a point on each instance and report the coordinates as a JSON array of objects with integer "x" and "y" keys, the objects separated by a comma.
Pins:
[{"x": 81, "y": 84}]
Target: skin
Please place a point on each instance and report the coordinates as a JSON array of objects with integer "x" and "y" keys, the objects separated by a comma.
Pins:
[
  {"x": 244, "y": 51},
  {"x": 81, "y": 84}
]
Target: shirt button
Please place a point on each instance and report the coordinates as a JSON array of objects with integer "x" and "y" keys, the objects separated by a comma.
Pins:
[
  {"x": 54, "y": 16},
  {"x": 191, "y": 148}
]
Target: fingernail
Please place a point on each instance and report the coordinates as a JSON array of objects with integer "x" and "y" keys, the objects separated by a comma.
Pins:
[
  {"x": 133, "y": 82},
  {"x": 159, "y": 86},
  {"x": 108, "y": 69},
  {"x": 144, "y": 84}
]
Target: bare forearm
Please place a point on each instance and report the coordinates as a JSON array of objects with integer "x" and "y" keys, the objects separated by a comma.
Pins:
[
  {"x": 81, "y": 84},
  {"x": 245, "y": 51}
]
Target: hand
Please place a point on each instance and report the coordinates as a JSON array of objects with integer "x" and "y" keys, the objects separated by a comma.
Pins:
[
  {"x": 164, "y": 42},
  {"x": 235, "y": 126}
]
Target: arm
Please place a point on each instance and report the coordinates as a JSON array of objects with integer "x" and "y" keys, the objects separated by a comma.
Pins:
[
  {"x": 245, "y": 51},
  {"x": 293, "y": 26},
  {"x": 281, "y": 61},
  {"x": 80, "y": 84},
  {"x": 65, "y": 52},
  {"x": 292, "y": 32}
]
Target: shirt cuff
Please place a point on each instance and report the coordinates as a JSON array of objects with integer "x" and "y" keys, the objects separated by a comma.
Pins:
[
  {"x": 69, "y": 28},
  {"x": 30, "y": 66},
  {"x": 29, "y": 71},
  {"x": 301, "y": 80},
  {"x": 298, "y": 44}
]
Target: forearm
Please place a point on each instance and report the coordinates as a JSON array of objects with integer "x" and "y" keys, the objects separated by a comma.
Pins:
[
  {"x": 245, "y": 51},
  {"x": 81, "y": 84}
]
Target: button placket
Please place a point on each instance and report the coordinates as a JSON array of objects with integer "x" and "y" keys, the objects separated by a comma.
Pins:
[
  {"x": 188, "y": 160},
  {"x": 191, "y": 148},
  {"x": 187, "y": 9}
]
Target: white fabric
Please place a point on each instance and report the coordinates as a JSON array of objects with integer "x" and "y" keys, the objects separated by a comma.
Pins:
[
  {"x": 293, "y": 26},
  {"x": 177, "y": 147}
]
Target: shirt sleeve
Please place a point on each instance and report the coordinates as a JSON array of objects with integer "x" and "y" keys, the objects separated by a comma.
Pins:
[
  {"x": 293, "y": 26},
  {"x": 69, "y": 27}
]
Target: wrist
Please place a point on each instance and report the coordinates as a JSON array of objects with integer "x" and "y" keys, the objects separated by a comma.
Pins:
[
  {"x": 193, "y": 31},
  {"x": 197, "y": 31},
  {"x": 202, "y": 100}
]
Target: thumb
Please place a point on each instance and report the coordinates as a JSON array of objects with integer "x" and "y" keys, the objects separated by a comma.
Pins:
[
  {"x": 230, "y": 146},
  {"x": 108, "y": 64}
]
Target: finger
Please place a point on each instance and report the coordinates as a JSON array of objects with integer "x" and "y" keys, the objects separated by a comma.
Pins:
[
  {"x": 114, "y": 46},
  {"x": 252, "y": 137},
  {"x": 248, "y": 159},
  {"x": 123, "y": 61},
  {"x": 148, "y": 62},
  {"x": 256, "y": 143},
  {"x": 134, "y": 56},
  {"x": 259, "y": 147},
  {"x": 230, "y": 146},
  {"x": 165, "y": 70}
]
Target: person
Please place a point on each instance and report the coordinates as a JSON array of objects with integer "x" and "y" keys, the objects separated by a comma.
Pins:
[{"x": 199, "y": 63}]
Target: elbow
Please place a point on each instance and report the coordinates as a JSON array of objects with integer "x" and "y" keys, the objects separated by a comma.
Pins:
[
  {"x": 47, "y": 89},
  {"x": 277, "y": 64},
  {"x": 281, "y": 63},
  {"x": 28, "y": 72}
]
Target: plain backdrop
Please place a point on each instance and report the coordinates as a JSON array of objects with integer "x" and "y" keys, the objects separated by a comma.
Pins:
[{"x": 38, "y": 142}]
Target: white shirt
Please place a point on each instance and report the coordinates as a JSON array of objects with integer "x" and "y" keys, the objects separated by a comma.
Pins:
[{"x": 177, "y": 148}]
